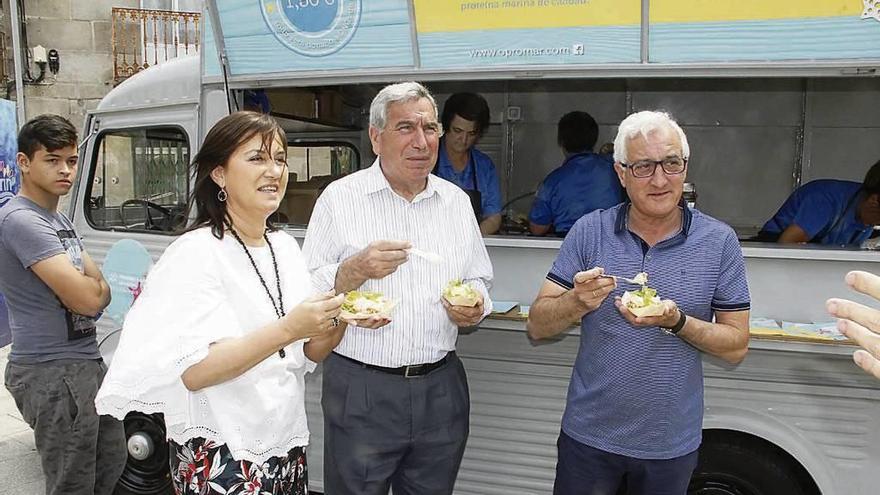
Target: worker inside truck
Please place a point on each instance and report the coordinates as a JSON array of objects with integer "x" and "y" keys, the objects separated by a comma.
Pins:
[
  {"x": 585, "y": 181},
  {"x": 465, "y": 119},
  {"x": 828, "y": 211}
]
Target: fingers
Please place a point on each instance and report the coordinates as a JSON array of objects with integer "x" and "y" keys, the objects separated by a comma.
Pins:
[
  {"x": 391, "y": 256},
  {"x": 381, "y": 258},
  {"x": 372, "y": 322},
  {"x": 865, "y": 338},
  {"x": 861, "y": 314},
  {"x": 860, "y": 323},
  {"x": 670, "y": 311},
  {"x": 592, "y": 289},
  {"x": 592, "y": 280},
  {"x": 463, "y": 316},
  {"x": 867, "y": 362},
  {"x": 627, "y": 315},
  {"x": 586, "y": 276},
  {"x": 322, "y": 296},
  {"x": 390, "y": 245},
  {"x": 330, "y": 302},
  {"x": 466, "y": 312},
  {"x": 864, "y": 282}
]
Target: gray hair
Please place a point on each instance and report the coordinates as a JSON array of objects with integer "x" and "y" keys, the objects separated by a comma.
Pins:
[
  {"x": 397, "y": 93},
  {"x": 645, "y": 123}
]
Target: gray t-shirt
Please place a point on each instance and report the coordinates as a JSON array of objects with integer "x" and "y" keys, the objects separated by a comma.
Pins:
[{"x": 42, "y": 328}]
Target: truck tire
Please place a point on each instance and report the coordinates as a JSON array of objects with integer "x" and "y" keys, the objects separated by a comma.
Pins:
[
  {"x": 146, "y": 467},
  {"x": 731, "y": 465}
]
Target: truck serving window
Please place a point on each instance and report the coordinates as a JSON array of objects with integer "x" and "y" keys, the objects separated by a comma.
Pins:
[
  {"x": 140, "y": 180},
  {"x": 312, "y": 166}
]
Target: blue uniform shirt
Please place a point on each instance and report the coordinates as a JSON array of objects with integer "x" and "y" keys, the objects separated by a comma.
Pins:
[
  {"x": 583, "y": 183},
  {"x": 637, "y": 391},
  {"x": 487, "y": 179},
  {"x": 826, "y": 210}
]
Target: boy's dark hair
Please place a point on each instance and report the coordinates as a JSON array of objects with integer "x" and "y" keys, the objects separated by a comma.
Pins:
[
  {"x": 469, "y": 106},
  {"x": 577, "y": 132},
  {"x": 48, "y": 131},
  {"x": 871, "y": 184}
]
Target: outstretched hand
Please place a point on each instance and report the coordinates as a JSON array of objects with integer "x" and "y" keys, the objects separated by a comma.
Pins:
[{"x": 859, "y": 322}]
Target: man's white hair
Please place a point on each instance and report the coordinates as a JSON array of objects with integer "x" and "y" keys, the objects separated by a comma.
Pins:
[
  {"x": 645, "y": 123},
  {"x": 397, "y": 93}
]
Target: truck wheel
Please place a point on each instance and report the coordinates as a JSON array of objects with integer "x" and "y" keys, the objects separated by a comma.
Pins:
[
  {"x": 146, "y": 468},
  {"x": 740, "y": 466}
]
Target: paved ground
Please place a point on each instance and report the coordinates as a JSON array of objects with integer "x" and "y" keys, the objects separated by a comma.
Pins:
[{"x": 20, "y": 472}]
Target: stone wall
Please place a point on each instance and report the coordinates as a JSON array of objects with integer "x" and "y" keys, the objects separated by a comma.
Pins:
[{"x": 80, "y": 31}]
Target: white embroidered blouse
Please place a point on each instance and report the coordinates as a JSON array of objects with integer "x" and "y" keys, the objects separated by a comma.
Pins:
[{"x": 203, "y": 290}]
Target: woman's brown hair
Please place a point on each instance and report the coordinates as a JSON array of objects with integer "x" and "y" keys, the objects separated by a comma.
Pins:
[{"x": 222, "y": 140}]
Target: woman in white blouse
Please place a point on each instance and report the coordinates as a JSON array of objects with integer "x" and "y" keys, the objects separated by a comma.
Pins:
[{"x": 224, "y": 331}]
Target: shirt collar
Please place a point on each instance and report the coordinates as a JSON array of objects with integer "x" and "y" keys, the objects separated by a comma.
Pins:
[
  {"x": 575, "y": 156},
  {"x": 686, "y": 218},
  {"x": 376, "y": 181},
  {"x": 443, "y": 161}
]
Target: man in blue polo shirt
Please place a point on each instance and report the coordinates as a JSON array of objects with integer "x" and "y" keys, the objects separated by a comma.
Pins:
[
  {"x": 465, "y": 118},
  {"x": 826, "y": 211},
  {"x": 585, "y": 181},
  {"x": 635, "y": 402}
]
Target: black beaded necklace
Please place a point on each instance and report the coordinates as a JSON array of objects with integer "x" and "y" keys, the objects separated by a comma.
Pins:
[{"x": 279, "y": 305}]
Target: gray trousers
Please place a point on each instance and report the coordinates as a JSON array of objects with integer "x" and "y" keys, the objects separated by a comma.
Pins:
[
  {"x": 383, "y": 430},
  {"x": 82, "y": 453}
]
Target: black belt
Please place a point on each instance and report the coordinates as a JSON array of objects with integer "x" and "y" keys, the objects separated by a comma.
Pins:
[{"x": 409, "y": 371}]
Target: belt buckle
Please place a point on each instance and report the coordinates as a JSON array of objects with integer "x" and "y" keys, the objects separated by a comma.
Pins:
[{"x": 406, "y": 372}]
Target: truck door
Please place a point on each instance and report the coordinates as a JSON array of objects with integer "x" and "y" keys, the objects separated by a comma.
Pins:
[{"x": 129, "y": 202}]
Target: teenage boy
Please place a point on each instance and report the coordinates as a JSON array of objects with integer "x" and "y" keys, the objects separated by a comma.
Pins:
[{"x": 54, "y": 292}]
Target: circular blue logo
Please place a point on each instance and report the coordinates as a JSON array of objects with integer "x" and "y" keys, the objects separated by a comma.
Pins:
[{"x": 314, "y": 28}]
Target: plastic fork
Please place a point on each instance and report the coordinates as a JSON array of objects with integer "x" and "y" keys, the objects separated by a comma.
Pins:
[
  {"x": 428, "y": 256},
  {"x": 627, "y": 280}
]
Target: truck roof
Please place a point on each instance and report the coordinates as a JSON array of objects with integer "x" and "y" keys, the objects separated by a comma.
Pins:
[{"x": 173, "y": 81}]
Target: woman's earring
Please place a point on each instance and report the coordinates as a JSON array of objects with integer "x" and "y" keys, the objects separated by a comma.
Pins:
[{"x": 221, "y": 195}]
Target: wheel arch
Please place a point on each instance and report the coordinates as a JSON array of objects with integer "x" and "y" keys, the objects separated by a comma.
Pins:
[{"x": 761, "y": 429}]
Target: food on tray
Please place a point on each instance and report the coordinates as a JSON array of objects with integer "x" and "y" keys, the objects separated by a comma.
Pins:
[
  {"x": 643, "y": 302},
  {"x": 359, "y": 305},
  {"x": 461, "y": 294}
]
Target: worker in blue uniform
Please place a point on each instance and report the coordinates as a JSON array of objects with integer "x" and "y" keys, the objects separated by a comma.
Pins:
[
  {"x": 828, "y": 211},
  {"x": 585, "y": 181}
]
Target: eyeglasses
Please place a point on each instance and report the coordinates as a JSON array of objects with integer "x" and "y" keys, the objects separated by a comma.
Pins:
[{"x": 643, "y": 169}]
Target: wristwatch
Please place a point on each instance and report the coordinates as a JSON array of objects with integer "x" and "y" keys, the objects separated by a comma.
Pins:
[{"x": 674, "y": 329}]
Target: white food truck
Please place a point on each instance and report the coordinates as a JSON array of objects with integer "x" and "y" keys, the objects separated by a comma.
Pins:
[{"x": 771, "y": 94}]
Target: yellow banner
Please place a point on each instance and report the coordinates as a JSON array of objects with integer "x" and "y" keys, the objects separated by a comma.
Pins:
[
  {"x": 474, "y": 15},
  {"x": 749, "y": 10}
]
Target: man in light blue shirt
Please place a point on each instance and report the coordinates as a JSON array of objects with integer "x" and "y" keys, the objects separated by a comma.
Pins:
[
  {"x": 635, "y": 402},
  {"x": 826, "y": 211},
  {"x": 465, "y": 119}
]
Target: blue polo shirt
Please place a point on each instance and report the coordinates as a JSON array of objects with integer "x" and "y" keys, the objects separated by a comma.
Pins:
[
  {"x": 637, "y": 391},
  {"x": 487, "y": 178},
  {"x": 826, "y": 210},
  {"x": 583, "y": 183}
]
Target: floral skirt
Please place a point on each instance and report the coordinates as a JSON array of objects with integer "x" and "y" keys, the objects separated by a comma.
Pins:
[{"x": 201, "y": 467}]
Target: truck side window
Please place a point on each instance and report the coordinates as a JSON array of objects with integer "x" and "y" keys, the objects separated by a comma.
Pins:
[
  {"x": 312, "y": 166},
  {"x": 140, "y": 180}
]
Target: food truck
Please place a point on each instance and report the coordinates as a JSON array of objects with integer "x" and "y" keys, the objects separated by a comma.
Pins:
[{"x": 771, "y": 95}]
